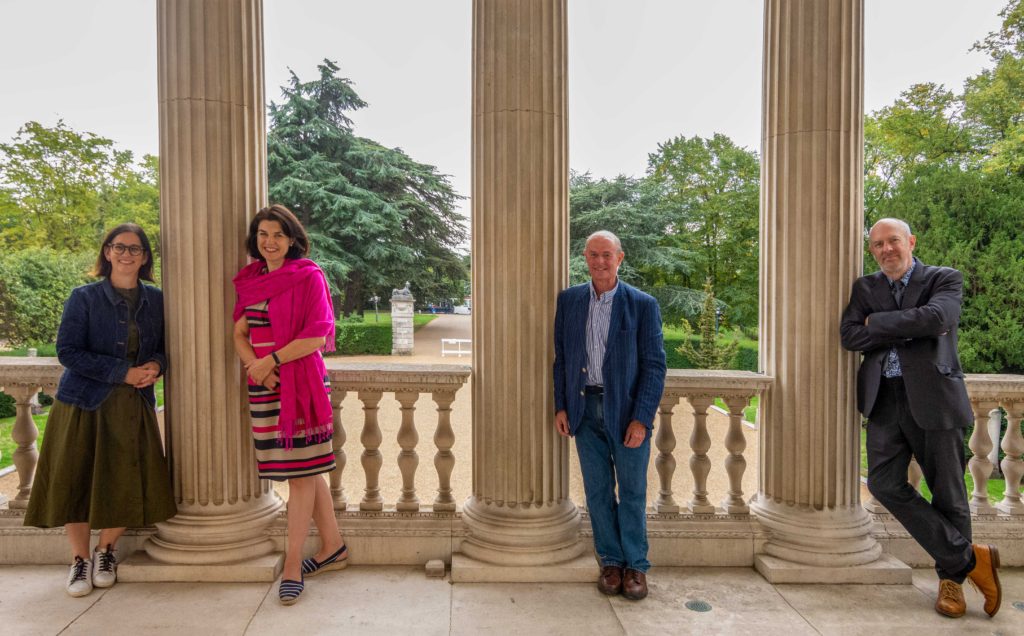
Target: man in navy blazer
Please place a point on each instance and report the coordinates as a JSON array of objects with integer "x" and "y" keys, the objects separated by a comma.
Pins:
[
  {"x": 910, "y": 386},
  {"x": 609, "y": 375}
]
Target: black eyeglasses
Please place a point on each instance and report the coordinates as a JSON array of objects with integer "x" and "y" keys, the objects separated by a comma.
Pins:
[{"x": 121, "y": 248}]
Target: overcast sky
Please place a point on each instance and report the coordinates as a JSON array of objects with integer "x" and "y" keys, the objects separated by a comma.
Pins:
[{"x": 640, "y": 71}]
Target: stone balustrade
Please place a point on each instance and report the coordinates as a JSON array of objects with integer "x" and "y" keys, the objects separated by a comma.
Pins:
[
  {"x": 22, "y": 379},
  {"x": 988, "y": 392},
  {"x": 700, "y": 388}
]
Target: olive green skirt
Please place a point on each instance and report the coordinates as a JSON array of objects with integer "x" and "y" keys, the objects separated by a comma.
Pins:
[{"x": 104, "y": 467}]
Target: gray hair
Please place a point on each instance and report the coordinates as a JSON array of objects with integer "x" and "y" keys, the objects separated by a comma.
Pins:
[
  {"x": 605, "y": 234},
  {"x": 900, "y": 223}
]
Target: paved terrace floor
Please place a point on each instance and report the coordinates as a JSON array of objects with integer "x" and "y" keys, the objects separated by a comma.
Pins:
[{"x": 401, "y": 600}]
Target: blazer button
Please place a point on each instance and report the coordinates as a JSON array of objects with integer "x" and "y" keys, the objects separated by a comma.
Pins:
[
  {"x": 584, "y": 369},
  {"x": 583, "y": 392}
]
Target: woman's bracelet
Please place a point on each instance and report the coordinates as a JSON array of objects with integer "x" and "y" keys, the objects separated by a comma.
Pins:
[{"x": 277, "y": 361}]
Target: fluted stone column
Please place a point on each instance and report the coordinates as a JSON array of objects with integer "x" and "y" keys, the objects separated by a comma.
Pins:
[
  {"x": 212, "y": 180},
  {"x": 519, "y": 513},
  {"x": 811, "y": 246}
]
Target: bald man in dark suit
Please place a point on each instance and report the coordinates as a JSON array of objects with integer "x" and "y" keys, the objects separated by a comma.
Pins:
[{"x": 910, "y": 386}]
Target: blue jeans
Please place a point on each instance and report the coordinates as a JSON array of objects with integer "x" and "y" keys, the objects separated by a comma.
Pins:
[{"x": 620, "y": 526}]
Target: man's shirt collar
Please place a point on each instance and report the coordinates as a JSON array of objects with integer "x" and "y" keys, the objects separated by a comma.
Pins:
[
  {"x": 605, "y": 297},
  {"x": 903, "y": 279}
]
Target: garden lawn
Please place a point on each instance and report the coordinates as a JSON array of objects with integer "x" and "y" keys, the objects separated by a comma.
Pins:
[{"x": 7, "y": 444}]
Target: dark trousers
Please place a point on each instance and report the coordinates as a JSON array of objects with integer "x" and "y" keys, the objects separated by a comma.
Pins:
[{"x": 942, "y": 527}]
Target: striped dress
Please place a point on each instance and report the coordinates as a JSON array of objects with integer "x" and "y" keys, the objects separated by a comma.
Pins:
[{"x": 273, "y": 460}]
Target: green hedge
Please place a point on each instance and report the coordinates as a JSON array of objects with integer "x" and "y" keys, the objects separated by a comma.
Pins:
[
  {"x": 6, "y": 406},
  {"x": 355, "y": 337},
  {"x": 745, "y": 360}
]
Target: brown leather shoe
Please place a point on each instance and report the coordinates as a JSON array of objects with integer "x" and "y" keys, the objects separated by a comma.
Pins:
[
  {"x": 635, "y": 586},
  {"x": 985, "y": 578},
  {"x": 951, "y": 601},
  {"x": 610, "y": 582}
]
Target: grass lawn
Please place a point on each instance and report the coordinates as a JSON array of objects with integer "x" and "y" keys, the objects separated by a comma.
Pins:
[
  {"x": 7, "y": 444},
  {"x": 749, "y": 411},
  {"x": 43, "y": 351},
  {"x": 670, "y": 331},
  {"x": 418, "y": 320},
  {"x": 995, "y": 486}
]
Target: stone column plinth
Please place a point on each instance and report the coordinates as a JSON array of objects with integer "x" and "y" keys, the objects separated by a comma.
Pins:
[
  {"x": 519, "y": 513},
  {"x": 811, "y": 246},
  {"x": 212, "y": 180},
  {"x": 402, "y": 304}
]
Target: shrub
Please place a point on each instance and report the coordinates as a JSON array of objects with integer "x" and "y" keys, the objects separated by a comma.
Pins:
[
  {"x": 744, "y": 360},
  {"x": 6, "y": 406},
  {"x": 355, "y": 337},
  {"x": 36, "y": 282}
]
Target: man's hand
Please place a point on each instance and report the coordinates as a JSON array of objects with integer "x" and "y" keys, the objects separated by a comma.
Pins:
[
  {"x": 635, "y": 434},
  {"x": 562, "y": 423}
]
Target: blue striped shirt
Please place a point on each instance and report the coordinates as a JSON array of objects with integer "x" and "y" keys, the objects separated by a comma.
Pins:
[{"x": 599, "y": 317}]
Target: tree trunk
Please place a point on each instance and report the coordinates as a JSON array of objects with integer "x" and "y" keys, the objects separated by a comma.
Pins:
[{"x": 353, "y": 293}]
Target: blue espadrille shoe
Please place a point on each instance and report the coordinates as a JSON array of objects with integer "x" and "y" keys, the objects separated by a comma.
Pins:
[
  {"x": 289, "y": 591},
  {"x": 337, "y": 561}
]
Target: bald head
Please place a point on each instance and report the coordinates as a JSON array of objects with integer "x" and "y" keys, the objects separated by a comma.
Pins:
[{"x": 892, "y": 246}]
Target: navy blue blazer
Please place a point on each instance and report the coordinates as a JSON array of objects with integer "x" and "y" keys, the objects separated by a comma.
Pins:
[
  {"x": 634, "y": 360},
  {"x": 924, "y": 333}
]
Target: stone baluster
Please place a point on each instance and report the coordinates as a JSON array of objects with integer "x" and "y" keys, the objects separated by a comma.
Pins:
[
  {"x": 338, "y": 444},
  {"x": 1012, "y": 465},
  {"x": 444, "y": 459},
  {"x": 665, "y": 462},
  {"x": 24, "y": 434},
  {"x": 700, "y": 465},
  {"x": 408, "y": 460},
  {"x": 372, "y": 460},
  {"x": 735, "y": 463},
  {"x": 980, "y": 465}
]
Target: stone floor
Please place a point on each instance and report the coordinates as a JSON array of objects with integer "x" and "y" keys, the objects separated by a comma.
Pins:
[{"x": 401, "y": 600}]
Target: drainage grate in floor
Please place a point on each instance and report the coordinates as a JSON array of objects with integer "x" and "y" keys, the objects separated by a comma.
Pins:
[{"x": 698, "y": 606}]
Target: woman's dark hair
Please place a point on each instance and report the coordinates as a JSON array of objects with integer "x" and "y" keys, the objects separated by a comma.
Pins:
[
  {"x": 289, "y": 223},
  {"x": 103, "y": 267}
]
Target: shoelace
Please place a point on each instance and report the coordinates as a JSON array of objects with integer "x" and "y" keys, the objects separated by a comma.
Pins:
[
  {"x": 106, "y": 561},
  {"x": 949, "y": 591},
  {"x": 80, "y": 570}
]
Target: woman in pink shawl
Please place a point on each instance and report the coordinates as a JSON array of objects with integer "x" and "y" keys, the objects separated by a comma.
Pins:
[{"x": 283, "y": 320}]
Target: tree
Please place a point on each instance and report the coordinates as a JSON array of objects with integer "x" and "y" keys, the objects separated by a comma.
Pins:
[
  {"x": 53, "y": 182},
  {"x": 709, "y": 354},
  {"x": 709, "y": 190},
  {"x": 34, "y": 283},
  {"x": 376, "y": 218}
]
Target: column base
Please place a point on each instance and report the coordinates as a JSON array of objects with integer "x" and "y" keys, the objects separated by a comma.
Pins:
[
  {"x": 204, "y": 535},
  {"x": 838, "y": 537},
  {"x": 582, "y": 569},
  {"x": 142, "y": 568},
  {"x": 886, "y": 570},
  {"x": 522, "y": 535}
]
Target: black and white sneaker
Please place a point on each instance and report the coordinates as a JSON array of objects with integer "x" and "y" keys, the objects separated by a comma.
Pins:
[
  {"x": 80, "y": 577},
  {"x": 104, "y": 567}
]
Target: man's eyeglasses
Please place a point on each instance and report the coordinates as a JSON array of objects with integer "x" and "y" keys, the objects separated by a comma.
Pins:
[{"x": 121, "y": 248}]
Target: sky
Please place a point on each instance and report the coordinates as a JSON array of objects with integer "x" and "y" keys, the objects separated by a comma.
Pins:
[{"x": 640, "y": 71}]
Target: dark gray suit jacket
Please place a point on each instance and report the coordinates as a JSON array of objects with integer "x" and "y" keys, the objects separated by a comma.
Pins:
[{"x": 924, "y": 332}]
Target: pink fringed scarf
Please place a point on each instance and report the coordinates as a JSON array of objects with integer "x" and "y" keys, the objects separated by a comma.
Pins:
[{"x": 300, "y": 307}]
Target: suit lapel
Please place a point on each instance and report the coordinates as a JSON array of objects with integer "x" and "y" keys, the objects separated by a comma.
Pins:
[
  {"x": 914, "y": 286},
  {"x": 581, "y": 308},
  {"x": 882, "y": 294}
]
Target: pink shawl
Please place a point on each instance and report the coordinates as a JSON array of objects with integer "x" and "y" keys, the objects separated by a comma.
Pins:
[{"x": 300, "y": 308}]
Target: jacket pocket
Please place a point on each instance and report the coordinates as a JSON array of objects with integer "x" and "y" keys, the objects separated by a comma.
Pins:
[{"x": 949, "y": 371}]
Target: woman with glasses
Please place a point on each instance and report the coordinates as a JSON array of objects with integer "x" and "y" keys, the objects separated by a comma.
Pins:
[
  {"x": 102, "y": 463},
  {"x": 283, "y": 320}
]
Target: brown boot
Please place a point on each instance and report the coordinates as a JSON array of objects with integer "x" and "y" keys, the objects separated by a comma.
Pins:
[
  {"x": 610, "y": 582},
  {"x": 951, "y": 601},
  {"x": 635, "y": 586},
  {"x": 985, "y": 578}
]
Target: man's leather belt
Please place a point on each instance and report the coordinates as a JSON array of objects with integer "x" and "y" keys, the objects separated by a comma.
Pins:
[{"x": 594, "y": 390}]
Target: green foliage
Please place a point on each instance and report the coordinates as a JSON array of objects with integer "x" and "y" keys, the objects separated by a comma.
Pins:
[
  {"x": 745, "y": 358},
  {"x": 35, "y": 284},
  {"x": 353, "y": 336},
  {"x": 6, "y": 405},
  {"x": 376, "y": 218},
  {"x": 710, "y": 353}
]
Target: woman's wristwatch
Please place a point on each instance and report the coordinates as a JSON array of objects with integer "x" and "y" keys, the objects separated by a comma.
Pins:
[{"x": 277, "y": 361}]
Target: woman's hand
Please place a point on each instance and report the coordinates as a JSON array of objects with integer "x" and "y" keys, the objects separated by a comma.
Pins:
[
  {"x": 272, "y": 381},
  {"x": 260, "y": 368},
  {"x": 141, "y": 377}
]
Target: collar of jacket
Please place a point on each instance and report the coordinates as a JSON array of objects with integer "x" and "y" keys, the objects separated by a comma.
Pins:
[{"x": 115, "y": 298}]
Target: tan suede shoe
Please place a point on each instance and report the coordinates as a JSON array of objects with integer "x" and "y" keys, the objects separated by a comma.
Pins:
[
  {"x": 951, "y": 601},
  {"x": 985, "y": 578}
]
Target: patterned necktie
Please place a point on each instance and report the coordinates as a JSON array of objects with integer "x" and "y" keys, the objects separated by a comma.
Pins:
[{"x": 897, "y": 292}]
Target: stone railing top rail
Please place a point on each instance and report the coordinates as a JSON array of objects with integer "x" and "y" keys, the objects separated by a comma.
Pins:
[
  {"x": 719, "y": 383},
  {"x": 24, "y": 370},
  {"x": 995, "y": 386},
  {"x": 387, "y": 376}
]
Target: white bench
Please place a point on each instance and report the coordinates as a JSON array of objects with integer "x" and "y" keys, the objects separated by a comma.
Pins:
[{"x": 456, "y": 347}]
